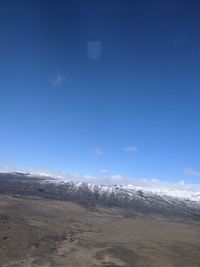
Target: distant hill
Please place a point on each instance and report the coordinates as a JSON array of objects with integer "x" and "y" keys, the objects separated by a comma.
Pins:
[{"x": 133, "y": 199}]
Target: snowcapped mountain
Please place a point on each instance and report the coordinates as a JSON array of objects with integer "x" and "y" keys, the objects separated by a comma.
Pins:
[
  {"x": 138, "y": 199},
  {"x": 132, "y": 190}
]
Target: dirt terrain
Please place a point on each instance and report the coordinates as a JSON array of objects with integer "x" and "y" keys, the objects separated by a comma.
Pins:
[{"x": 37, "y": 232}]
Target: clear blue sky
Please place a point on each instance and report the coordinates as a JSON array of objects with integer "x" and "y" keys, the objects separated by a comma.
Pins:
[{"x": 108, "y": 84}]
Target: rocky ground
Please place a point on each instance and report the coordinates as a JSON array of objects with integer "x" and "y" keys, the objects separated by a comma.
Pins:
[{"x": 39, "y": 232}]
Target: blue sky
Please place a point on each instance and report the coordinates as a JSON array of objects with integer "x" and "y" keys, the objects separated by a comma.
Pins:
[{"x": 108, "y": 85}]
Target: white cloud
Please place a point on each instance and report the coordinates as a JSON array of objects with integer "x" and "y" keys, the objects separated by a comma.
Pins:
[
  {"x": 182, "y": 182},
  {"x": 58, "y": 80},
  {"x": 116, "y": 178},
  {"x": 130, "y": 149},
  {"x": 191, "y": 172},
  {"x": 98, "y": 152},
  {"x": 103, "y": 172},
  {"x": 11, "y": 168}
]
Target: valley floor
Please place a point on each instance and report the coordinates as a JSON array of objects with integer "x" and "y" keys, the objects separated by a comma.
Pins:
[{"x": 36, "y": 232}]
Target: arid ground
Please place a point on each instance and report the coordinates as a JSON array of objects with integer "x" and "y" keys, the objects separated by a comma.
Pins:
[{"x": 39, "y": 232}]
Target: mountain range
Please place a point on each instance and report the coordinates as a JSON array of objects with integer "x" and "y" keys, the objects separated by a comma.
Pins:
[{"x": 162, "y": 201}]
